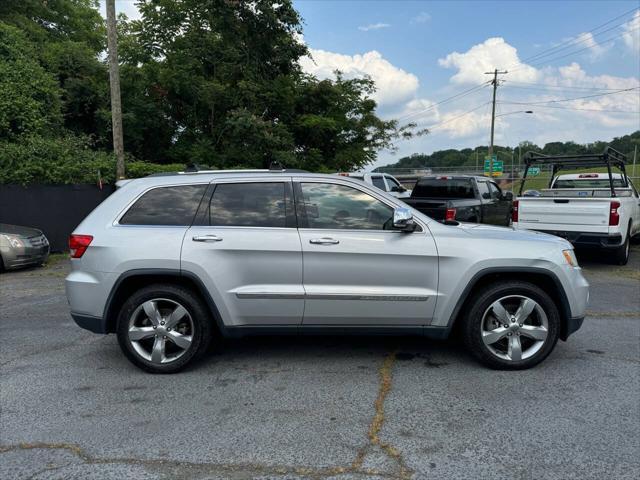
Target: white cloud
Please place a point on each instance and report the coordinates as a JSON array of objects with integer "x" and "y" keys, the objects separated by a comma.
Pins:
[
  {"x": 586, "y": 40},
  {"x": 631, "y": 35},
  {"x": 394, "y": 85},
  {"x": 373, "y": 26},
  {"x": 422, "y": 17},
  {"x": 484, "y": 57}
]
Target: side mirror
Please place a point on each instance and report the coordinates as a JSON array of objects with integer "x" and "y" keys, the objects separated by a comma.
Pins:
[
  {"x": 403, "y": 220},
  {"x": 508, "y": 196}
]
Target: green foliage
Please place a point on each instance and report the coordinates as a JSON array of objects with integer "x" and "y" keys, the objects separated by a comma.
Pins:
[
  {"x": 29, "y": 94},
  {"x": 70, "y": 159}
]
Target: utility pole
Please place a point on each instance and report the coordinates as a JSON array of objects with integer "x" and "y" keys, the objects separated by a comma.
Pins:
[
  {"x": 114, "y": 82},
  {"x": 494, "y": 82}
]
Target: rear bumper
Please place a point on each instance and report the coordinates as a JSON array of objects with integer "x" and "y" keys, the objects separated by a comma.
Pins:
[
  {"x": 582, "y": 239},
  {"x": 88, "y": 322}
]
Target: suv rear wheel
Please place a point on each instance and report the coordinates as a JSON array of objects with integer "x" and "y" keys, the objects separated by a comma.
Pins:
[
  {"x": 162, "y": 327},
  {"x": 511, "y": 325}
]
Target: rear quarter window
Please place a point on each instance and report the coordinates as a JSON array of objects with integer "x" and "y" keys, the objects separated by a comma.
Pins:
[{"x": 175, "y": 206}]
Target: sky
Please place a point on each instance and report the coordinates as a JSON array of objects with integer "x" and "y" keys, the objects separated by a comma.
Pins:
[{"x": 422, "y": 53}]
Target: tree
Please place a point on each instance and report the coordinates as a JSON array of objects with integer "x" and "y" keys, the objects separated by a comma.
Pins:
[
  {"x": 29, "y": 103},
  {"x": 219, "y": 82}
]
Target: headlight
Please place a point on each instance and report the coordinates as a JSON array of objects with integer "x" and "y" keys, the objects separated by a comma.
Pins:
[
  {"x": 570, "y": 257},
  {"x": 15, "y": 242}
]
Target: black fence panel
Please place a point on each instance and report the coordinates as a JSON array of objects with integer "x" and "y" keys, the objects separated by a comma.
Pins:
[{"x": 55, "y": 209}]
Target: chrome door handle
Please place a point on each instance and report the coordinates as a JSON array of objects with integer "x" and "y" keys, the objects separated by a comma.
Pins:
[
  {"x": 324, "y": 241},
  {"x": 206, "y": 238}
]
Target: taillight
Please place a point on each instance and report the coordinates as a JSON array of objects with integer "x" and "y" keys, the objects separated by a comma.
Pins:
[
  {"x": 78, "y": 245},
  {"x": 450, "y": 214},
  {"x": 614, "y": 216},
  {"x": 514, "y": 212}
]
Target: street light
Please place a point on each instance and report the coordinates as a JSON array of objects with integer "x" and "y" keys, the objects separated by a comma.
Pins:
[{"x": 511, "y": 113}]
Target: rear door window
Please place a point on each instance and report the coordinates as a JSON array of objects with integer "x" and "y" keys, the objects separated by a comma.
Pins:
[
  {"x": 258, "y": 204},
  {"x": 379, "y": 182},
  {"x": 444, "y": 188},
  {"x": 170, "y": 206}
]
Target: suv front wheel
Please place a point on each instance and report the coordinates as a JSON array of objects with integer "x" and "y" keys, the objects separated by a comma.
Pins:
[
  {"x": 511, "y": 325},
  {"x": 162, "y": 327}
]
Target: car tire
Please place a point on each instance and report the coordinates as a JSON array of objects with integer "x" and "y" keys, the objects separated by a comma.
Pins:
[
  {"x": 525, "y": 329},
  {"x": 162, "y": 328},
  {"x": 620, "y": 256}
]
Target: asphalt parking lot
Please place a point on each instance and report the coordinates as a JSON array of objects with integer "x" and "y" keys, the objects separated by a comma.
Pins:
[{"x": 317, "y": 407}]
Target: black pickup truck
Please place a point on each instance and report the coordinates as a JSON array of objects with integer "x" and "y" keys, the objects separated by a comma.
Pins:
[{"x": 463, "y": 198}]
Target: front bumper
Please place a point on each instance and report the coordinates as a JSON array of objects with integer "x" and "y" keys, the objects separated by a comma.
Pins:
[
  {"x": 582, "y": 239},
  {"x": 24, "y": 256}
]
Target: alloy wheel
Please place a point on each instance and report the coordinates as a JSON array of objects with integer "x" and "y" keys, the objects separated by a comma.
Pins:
[
  {"x": 160, "y": 330},
  {"x": 514, "y": 328}
]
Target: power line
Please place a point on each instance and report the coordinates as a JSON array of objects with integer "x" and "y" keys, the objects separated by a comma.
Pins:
[
  {"x": 574, "y": 108},
  {"x": 537, "y": 64},
  {"x": 544, "y": 87},
  {"x": 440, "y": 124},
  {"x": 576, "y": 98},
  {"x": 570, "y": 41},
  {"x": 446, "y": 100}
]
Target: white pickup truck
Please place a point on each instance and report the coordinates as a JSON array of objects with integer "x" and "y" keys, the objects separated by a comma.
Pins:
[{"x": 599, "y": 210}]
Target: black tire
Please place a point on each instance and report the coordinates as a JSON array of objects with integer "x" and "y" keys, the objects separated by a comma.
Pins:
[
  {"x": 620, "y": 256},
  {"x": 201, "y": 330},
  {"x": 481, "y": 302}
]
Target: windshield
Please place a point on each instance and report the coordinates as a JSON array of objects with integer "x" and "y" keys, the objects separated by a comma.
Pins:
[
  {"x": 588, "y": 183},
  {"x": 444, "y": 188}
]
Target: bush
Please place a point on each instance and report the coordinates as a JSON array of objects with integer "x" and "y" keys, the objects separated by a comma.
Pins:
[{"x": 65, "y": 160}]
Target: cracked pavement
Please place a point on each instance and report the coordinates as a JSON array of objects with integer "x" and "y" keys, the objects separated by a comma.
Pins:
[{"x": 72, "y": 407}]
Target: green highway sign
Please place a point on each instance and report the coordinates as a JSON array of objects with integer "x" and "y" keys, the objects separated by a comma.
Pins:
[
  {"x": 498, "y": 166},
  {"x": 533, "y": 171}
]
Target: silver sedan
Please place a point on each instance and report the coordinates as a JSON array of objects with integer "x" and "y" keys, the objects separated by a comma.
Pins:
[{"x": 21, "y": 247}]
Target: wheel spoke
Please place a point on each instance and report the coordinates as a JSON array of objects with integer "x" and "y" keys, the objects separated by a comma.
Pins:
[
  {"x": 157, "y": 354},
  {"x": 492, "y": 336},
  {"x": 183, "y": 341},
  {"x": 524, "y": 310},
  {"x": 140, "y": 333},
  {"x": 176, "y": 316},
  {"x": 152, "y": 312},
  {"x": 500, "y": 312},
  {"x": 537, "y": 333},
  {"x": 515, "y": 348}
]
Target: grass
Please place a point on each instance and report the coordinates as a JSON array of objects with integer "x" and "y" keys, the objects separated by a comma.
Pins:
[{"x": 54, "y": 259}]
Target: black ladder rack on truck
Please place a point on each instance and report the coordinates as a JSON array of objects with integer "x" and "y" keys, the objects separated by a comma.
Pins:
[{"x": 610, "y": 157}]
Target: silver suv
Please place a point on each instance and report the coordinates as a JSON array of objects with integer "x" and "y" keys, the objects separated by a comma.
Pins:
[{"x": 173, "y": 262}]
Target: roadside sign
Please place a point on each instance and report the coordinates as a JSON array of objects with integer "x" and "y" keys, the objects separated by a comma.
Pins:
[
  {"x": 533, "y": 171},
  {"x": 498, "y": 166}
]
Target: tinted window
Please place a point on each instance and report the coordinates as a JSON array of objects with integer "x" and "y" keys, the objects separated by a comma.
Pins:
[
  {"x": 444, "y": 188},
  {"x": 165, "y": 206},
  {"x": 340, "y": 207},
  {"x": 483, "y": 188},
  {"x": 392, "y": 183},
  {"x": 495, "y": 191},
  {"x": 248, "y": 205},
  {"x": 378, "y": 182},
  {"x": 588, "y": 183}
]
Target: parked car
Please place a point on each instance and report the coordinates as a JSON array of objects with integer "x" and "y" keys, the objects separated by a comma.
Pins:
[
  {"x": 383, "y": 181},
  {"x": 22, "y": 247},
  {"x": 170, "y": 263},
  {"x": 591, "y": 209},
  {"x": 462, "y": 197}
]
